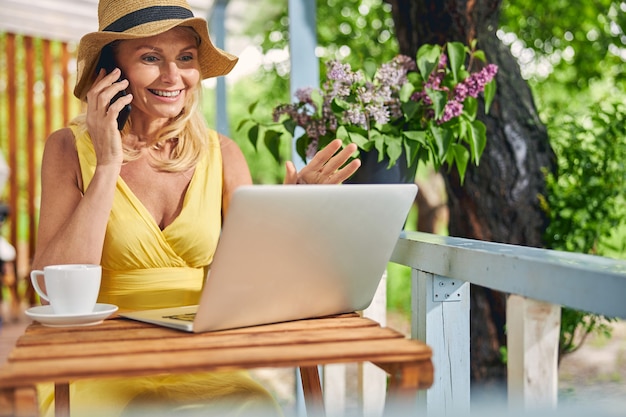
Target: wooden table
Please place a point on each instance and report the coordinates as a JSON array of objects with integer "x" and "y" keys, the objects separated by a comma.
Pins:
[{"x": 120, "y": 347}]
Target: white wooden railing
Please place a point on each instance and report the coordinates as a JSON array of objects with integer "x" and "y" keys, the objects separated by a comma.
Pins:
[{"x": 538, "y": 282}]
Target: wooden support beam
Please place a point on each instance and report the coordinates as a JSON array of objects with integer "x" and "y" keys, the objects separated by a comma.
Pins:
[
  {"x": 47, "y": 66},
  {"x": 312, "y": 387},
  {"x": 31, "y": 171},
  {"x": 67, "y": 85},
  {"x": 440, "y": 318},
  {"x": 62, "y": 399},
  {"x": 532, "y": 351},
  {"x": 12, "y": 130}
]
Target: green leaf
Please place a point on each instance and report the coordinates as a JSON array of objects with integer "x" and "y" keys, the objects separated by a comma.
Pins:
[
  {"x": 411, "y": 149},
  {"x": 409, "y": 109},
  {"x": 415, "y": 135},
  {"x": 456, "y": 54},
  {"x": 290, "y": 126},
  {"x": 379, "y": 143},
  {"x": 272, "y": 141},
  {"x": 478, "y": 140},
  {"x": 242, "y": 123},
  {"x": 338, "y": 105},
  {"x": 480, "y": 55},
  {"x": 461, "y": 158},
  {"x": 489, "y": 93},
  {"x": 394, "y": 149},
  {"x": 253, "y": 135},
  {"x": 427, "y": 59},
  {"x": 439, "y": 98},
  {"x": 406, "y": 92},
  {"x": 342, "y": 133},
  {"x": 470, "y": 107},
  {"x": 356, "y": 137},
  {"x": 442, "y": 140},
  {"x": 302, "y": 143},
  {"x": 252, "y": 107}
]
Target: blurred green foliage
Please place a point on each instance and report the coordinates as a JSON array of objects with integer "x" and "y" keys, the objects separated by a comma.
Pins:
[
  {"x": 586, "y": 198},
  {"x": 574, "y": 54},
  {"x": 573, "y": 42}
]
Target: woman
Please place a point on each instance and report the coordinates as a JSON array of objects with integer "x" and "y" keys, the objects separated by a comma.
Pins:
[{"x": 147, "y": 201}]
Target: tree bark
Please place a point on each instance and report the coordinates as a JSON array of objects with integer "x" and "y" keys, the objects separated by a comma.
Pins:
[{"x": 499, "y": 199}]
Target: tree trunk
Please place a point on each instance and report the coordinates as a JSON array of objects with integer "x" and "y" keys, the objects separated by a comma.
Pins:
[{"x": 499, "y": 199}]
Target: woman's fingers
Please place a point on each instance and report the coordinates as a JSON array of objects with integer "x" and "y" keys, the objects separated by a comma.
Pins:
[
  {"x": 102, "y": 116},
  {"x": 291, "y": 174},
  {"x": 346, "y": 172},
  {"x": 327, "y": 166}
]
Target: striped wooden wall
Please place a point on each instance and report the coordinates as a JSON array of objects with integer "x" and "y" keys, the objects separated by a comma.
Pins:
[{"x": 36, "y": 81}]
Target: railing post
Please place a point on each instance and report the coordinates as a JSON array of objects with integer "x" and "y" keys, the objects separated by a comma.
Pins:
[
  {"x": 304, "y": 63},
  {"x": 533, "y": 329},
  {"x": 440, "y": 318},
  {"x": 372, "y": 379},
  {"x": 218, "y": 32},
  {"x": 304, "y": 73}
]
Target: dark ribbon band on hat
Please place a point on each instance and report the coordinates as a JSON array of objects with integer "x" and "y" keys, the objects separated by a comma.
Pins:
[{"x": 147, "y": 15}]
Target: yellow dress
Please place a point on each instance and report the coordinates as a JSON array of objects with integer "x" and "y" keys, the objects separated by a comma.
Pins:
[{"x": 145, "y": 267}]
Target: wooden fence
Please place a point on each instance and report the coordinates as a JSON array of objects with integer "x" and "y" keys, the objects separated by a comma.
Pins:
[{"x": 36, "y": 81}]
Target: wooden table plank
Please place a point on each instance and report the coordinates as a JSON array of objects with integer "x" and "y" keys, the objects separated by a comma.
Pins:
[
  {"x": 41, "y": 335},
  {"x": 118, "y": 344},
  {"x": 24, "y": 373}
]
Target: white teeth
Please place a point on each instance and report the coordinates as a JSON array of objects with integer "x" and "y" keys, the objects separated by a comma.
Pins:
[{"x": 166, "y": 93}]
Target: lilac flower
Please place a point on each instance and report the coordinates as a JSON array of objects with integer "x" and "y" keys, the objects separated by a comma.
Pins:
[
  {"x": 379, "y": 113},
  {"x": 356, "y": 117},
  {"x": 391, "y": 75},
  {"x": 422, "y": 96},
  {"x": 311, "y": 150},
  {"x": 336, "y": 71},
  {"x": 366, "y": 93},
  {"x": 436, "y": 77},
  {"x": 451, "y": 110},
  {"x": 460, "y": 92},
  {"x": 406, "y": 62},
  {"x": 385, "y": 94},
  {"x": 315, "y": 129},
  {"x": 476, "y": 82},
  {"x": 304, "y": 94}
]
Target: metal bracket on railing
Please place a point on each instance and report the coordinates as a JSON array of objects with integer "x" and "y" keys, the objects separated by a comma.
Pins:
[{"x": 446, "y": 289}]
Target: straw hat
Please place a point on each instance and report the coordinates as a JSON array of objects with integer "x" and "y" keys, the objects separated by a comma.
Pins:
[{"x": 133, "y": 19}]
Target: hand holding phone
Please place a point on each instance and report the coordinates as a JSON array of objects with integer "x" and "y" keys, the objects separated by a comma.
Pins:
[{"x": 108, "y": 63}]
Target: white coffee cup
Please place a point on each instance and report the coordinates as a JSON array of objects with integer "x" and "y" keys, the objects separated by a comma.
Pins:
[{"x": 70, "y": 289}]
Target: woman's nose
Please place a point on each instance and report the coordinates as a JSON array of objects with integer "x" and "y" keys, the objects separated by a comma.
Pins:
[{"x": 170, "y": 72}]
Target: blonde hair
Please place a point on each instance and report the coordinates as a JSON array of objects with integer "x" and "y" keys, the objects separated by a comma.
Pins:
[{"x": 188, "y": 131}]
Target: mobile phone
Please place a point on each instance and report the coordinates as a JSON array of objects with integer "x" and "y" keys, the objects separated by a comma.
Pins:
[{"x": 107, "y": 62}]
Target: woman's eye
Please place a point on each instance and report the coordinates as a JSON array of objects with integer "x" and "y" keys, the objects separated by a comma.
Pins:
[
  {"x": 150, "y": 58},
  {"x": 186, "y": 58}
]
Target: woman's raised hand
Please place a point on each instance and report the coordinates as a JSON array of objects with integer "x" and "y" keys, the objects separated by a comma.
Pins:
[
  {"x": 326, "y": 167},
  {"x": 102, "y": 116}
]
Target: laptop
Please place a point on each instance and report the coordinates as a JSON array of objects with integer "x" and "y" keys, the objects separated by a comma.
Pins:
[{"x": 291, "y": 252}]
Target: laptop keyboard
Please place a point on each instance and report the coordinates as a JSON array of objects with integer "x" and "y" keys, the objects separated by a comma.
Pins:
[{"x": 182, "y": 317}]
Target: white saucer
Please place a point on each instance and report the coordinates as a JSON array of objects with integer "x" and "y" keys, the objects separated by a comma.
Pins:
[{"x": 45, "y": 315}]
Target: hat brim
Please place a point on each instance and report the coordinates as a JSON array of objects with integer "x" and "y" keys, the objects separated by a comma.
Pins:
[{"x": 214, "y": 62}]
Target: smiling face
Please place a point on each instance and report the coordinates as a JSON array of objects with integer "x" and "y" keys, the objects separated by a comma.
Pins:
[{"x": 163, "y": 72}]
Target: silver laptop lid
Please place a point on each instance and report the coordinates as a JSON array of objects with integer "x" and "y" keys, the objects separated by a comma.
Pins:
[{"x": 293, "y": 252}]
